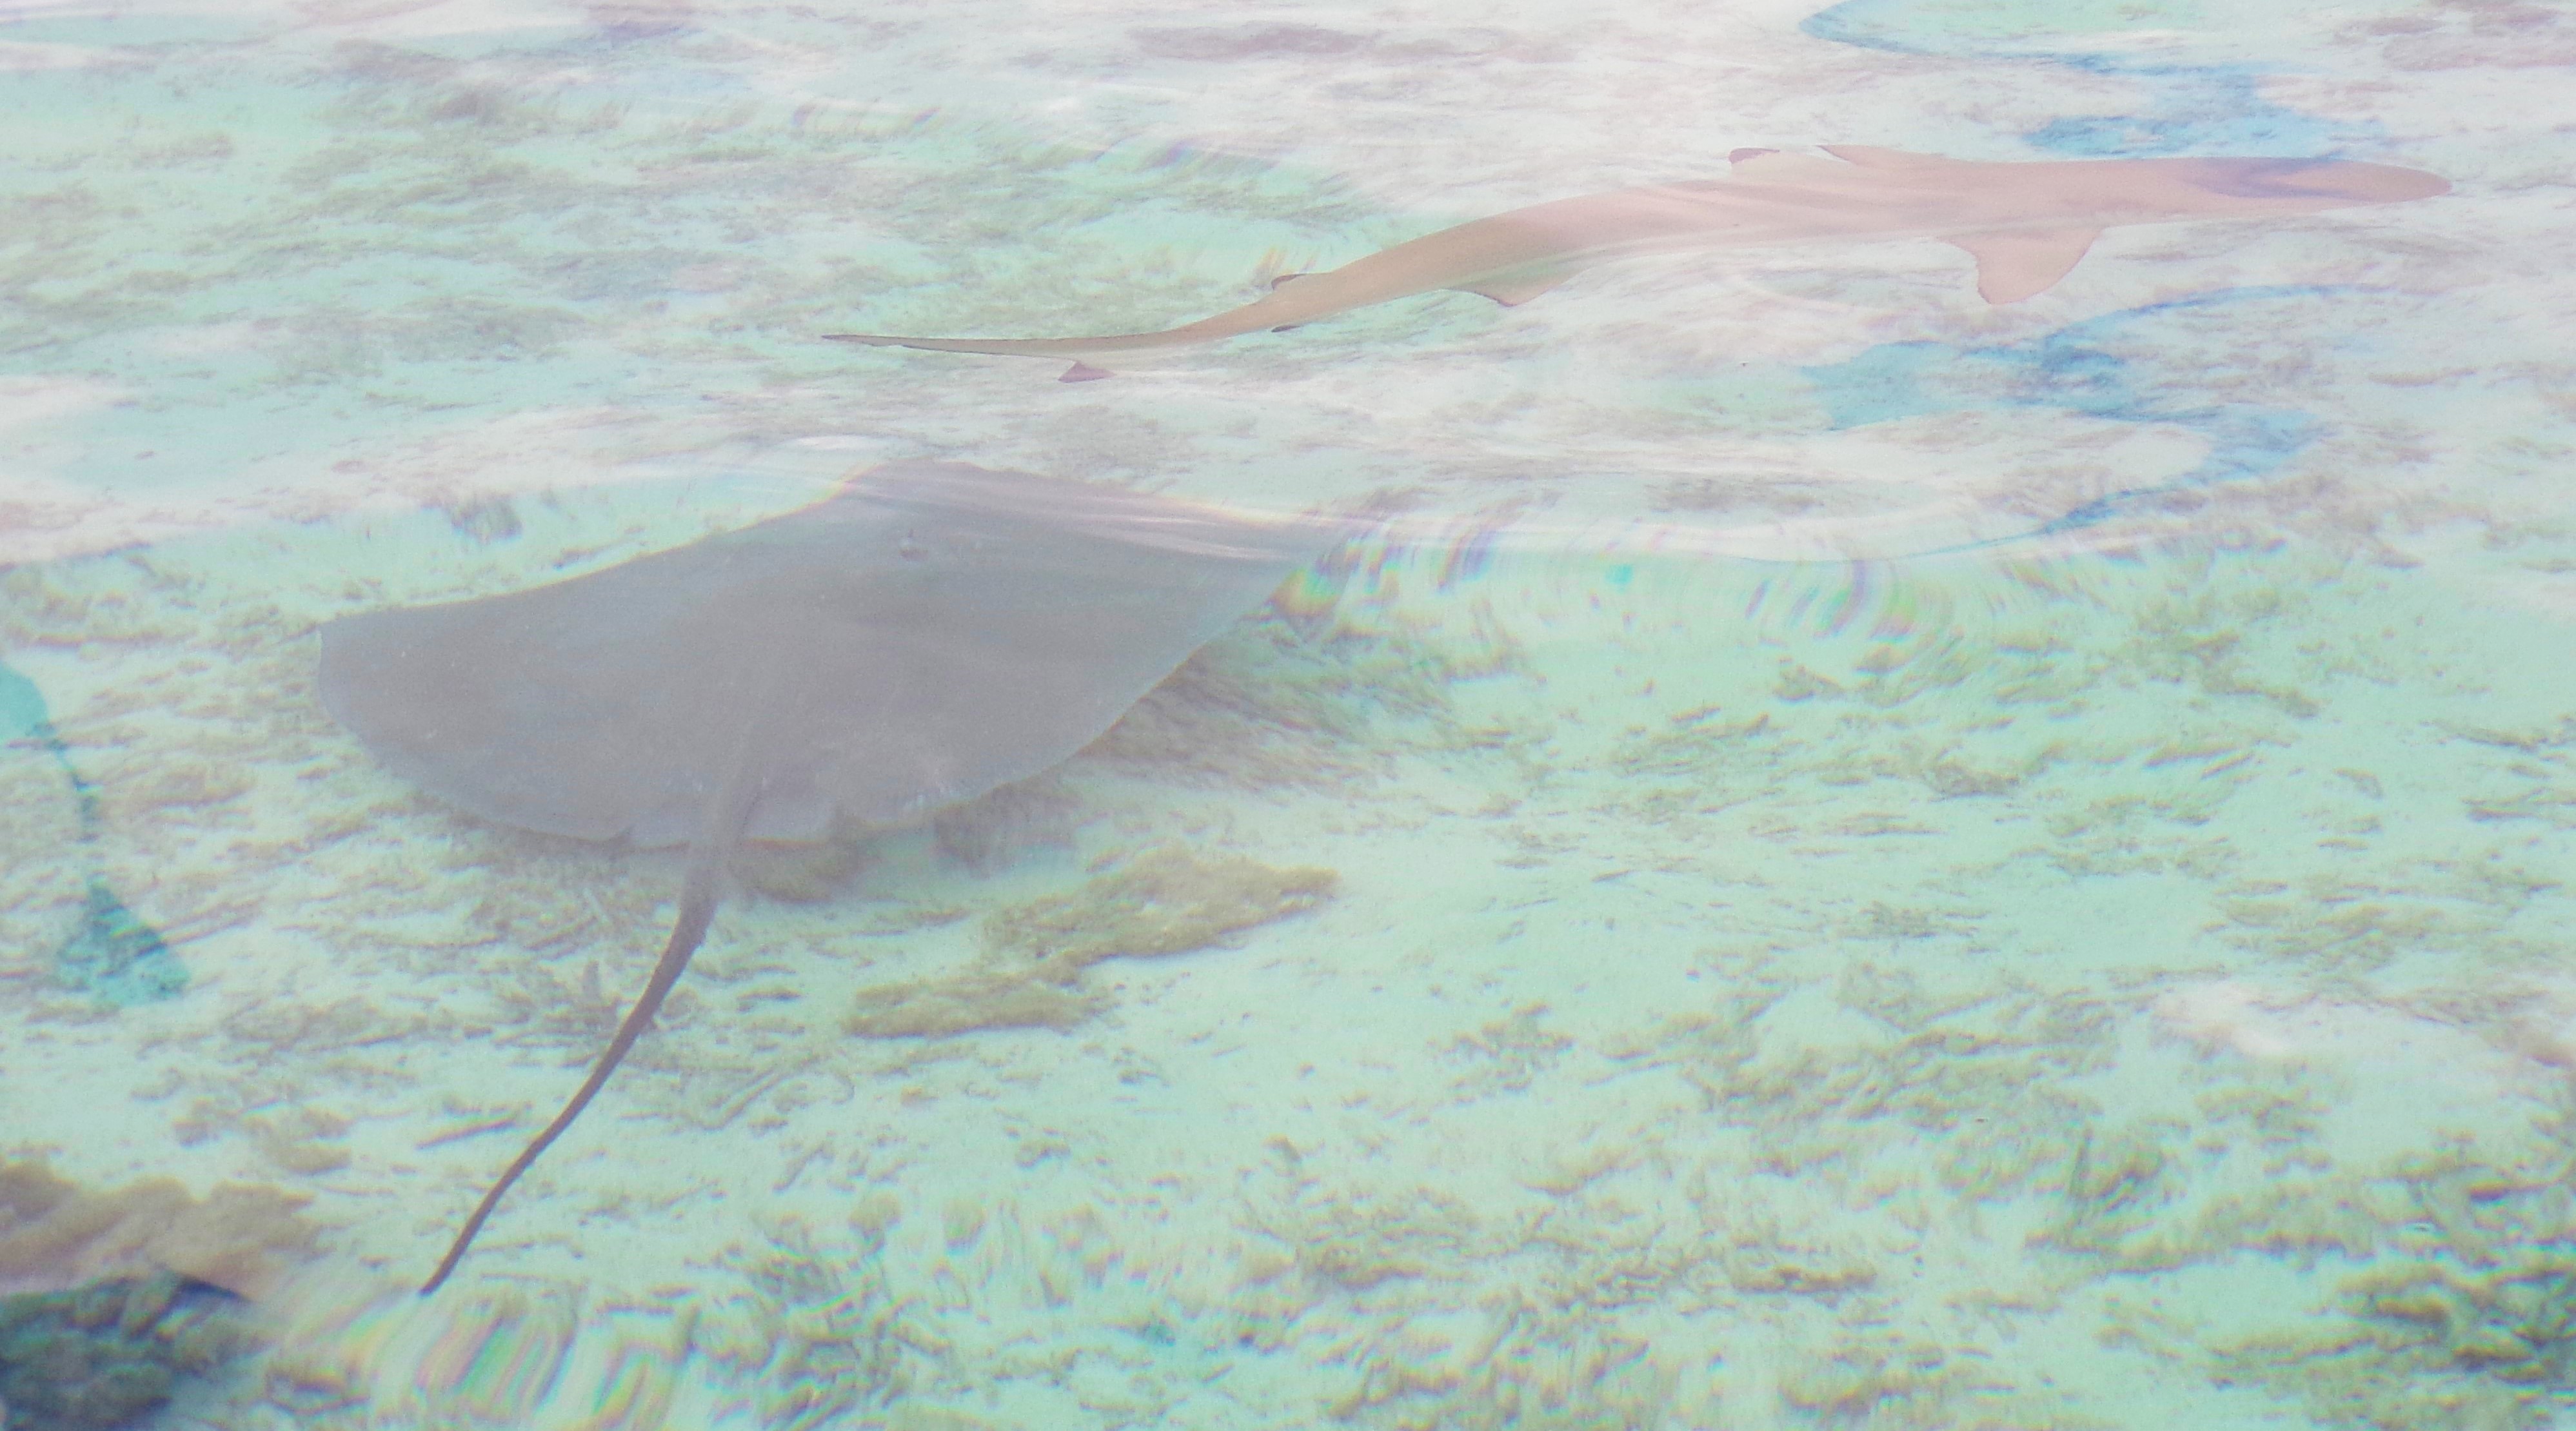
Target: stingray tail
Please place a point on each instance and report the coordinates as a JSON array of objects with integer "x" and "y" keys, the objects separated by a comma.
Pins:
[{"x": 697, "y": 909}]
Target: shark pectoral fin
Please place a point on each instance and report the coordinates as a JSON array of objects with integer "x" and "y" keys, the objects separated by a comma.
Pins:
[
  {"x": 1084, "y": 373},
  {"x": 1514, "y": 289},
  {"x": 2015, "y": 265}
]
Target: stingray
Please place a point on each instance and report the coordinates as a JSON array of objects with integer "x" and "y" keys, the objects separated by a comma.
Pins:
[{"x": 928, "y": 633}]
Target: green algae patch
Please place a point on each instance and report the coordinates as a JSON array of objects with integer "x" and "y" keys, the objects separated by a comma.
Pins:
[
  {"x": 2468, "y": 1320},
  {"x": 937, "y": 1008},
  {"x": 2426, "y": 1343},
  {"x": 817, "y": 1332},
  {"x": 1165, "y": 901}
]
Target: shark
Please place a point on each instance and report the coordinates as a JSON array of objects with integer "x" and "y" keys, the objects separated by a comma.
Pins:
[{"x": 2026, "y": 224}]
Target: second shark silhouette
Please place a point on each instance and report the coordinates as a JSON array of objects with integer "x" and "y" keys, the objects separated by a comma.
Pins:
[{"x": 2025, "y": 224}]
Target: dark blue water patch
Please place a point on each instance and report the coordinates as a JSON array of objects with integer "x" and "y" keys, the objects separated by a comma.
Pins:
[
  {"x": 2118, "y": 367},
  {"x": 23, "y": 715},
  {"x": 2209, "y": 109},
  {"x": 1868, "y": 24},
  {"x": 115, "y": 957}
]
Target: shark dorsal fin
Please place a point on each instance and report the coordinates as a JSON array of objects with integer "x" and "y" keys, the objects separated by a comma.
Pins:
[
  {"x": 1870, "y": 156},
  {"x": 1781, "y": 164},
  {"x": 2018, "y": 263}
]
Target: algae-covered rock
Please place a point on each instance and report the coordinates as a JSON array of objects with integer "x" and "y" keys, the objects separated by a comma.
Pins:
[
  {"x": 988, "y": 833},
  {"x": 936, "y": 1008},
  {"x": 56, "y": 1235},
  {"x": 110, "y": 1353},
  {"x": 800, "y": 873},
  {"x": 110, "y": 1299},
  {"x": 1166, "y": 901}
]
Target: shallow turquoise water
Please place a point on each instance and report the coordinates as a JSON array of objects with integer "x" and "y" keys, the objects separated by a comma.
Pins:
[{"x": 1824, "y": 853}]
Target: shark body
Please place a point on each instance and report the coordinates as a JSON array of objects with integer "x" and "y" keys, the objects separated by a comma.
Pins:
[{"x": 2026, "y": 224}]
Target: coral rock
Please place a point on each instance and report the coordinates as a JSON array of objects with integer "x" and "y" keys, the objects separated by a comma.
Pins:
[{"x": 55, "y": 1235}]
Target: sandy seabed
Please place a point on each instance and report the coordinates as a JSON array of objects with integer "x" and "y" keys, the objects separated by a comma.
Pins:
[
  {"x": 2002, "y": 991},
  {"x": 1635, "y": 942}
]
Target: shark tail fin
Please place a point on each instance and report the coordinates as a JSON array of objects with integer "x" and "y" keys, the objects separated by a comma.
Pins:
[{"x": 2016, "y": 265}]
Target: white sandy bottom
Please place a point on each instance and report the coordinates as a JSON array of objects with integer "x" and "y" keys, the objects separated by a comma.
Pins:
[{"x": 1754, "y": 995}]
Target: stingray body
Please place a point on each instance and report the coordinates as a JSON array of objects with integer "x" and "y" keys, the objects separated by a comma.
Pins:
[
  {"x": 927, "y": 634},
  {"x": 2026, "y": 224}
]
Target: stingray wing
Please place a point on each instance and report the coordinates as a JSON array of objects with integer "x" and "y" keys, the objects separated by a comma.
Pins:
[
  {"x": 1023, "y": 617},
  {"x": 541, "y": 709},
  {"x": 929, "y": 633}
]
